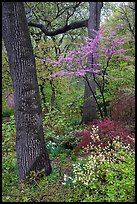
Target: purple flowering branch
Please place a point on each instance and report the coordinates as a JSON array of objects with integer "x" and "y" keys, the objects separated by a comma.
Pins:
[
  {"x": 76, "y": 60},
  {"x": 105, "y": 47}
]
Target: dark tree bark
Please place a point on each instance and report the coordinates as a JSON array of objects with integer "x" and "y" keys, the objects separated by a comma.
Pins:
[
  {"x": 30, "y": 145},
  {"x": 64, "y": 29},
  {"x": 90, "y": 106}
]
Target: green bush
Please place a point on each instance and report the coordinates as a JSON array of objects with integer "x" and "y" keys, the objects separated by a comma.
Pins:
[
  {"x": 101, "y": 176},
  {"x": 9, "y": 163},
  {"x": 59, "y": 130},
  {"x": 107, "y": 176},
  {"x": 7, "y": 112}
]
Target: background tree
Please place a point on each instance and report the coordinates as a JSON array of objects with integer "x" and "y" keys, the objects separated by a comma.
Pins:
[
  {"x": 70, "y": 12},
  {"x": 30, "y": 145},
  {"x": 63, "y": 14},
  {"x": 72, "y": 22},
  {"x": 89, "y": 110}
]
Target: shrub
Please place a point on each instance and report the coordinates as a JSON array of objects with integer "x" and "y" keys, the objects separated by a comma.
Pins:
[
  {"x": 7, "y": 112},
  {"x": 123, "y": 107},
  {"x": 59, "y": 130},
  {"x": 86, "y": 180},
  {"x": 9, "y": 163},
  {"x": 106, "y": 176},
  {"x": 101, "y": 133}
]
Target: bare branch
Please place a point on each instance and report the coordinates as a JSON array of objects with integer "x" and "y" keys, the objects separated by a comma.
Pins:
[
  {"x": 64, "y": 29},
  {"x": 61, "y": 11},
  {"x": 128, "y": 22}
]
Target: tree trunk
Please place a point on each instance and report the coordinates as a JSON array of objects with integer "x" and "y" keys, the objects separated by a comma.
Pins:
[
  {"x": 30, "y": 145},
  {"x": 89, "y": 109},
  {"x": 52, "y": 95},
  {"x": 43, "y": 97}
]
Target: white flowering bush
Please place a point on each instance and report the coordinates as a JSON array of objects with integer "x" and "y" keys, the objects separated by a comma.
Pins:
[
  {"x": 102, "y": 175},
  {"x": 84, "y": 171}
]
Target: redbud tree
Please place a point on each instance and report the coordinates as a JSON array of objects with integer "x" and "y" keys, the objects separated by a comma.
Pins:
[{"x": 105, "y": 48}]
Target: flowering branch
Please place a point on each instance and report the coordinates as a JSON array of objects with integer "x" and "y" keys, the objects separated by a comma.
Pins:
[{"x": 105, "y": 48}]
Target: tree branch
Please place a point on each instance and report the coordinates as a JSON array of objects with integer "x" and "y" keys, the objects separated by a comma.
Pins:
[
  {"x": 61, "y": 11},
  {"x": 64, "y": 29},
  {"x": 128, "y": 22},
  {"x": 86, "y": 78}
]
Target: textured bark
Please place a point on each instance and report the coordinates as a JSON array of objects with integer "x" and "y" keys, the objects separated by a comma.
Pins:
[
  {"x": 30, "y": 145},
  {"x": 89, "y": 109}
]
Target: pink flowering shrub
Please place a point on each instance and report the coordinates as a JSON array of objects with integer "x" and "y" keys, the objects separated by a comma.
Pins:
[
  {"x": 105, "y": 48},
  {"x": 101, "y": 133}
]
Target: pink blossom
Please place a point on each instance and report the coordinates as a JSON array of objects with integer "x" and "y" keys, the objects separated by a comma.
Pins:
[
  {"x": 121, "y": 51},
  {"x": 126, "y": 57},
  {"x": 102, "y": 47}
]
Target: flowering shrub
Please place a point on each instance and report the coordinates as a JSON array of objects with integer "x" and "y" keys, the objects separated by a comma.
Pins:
[
  {"x": 105, "y": 48},
  {"x": 75, "y": 62},
  {"x": 101, "y": 133},
  {"x": 86, "y": 169},
  {"x": 106, "y": 175}
]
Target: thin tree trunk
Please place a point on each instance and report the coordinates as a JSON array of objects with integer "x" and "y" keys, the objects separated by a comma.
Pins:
[
  {"x": 90, "y": 106},
  {"x": 43, "y": 97},
  {"x": 52, "y": 95},
  {"x": 30, "y": 145}
]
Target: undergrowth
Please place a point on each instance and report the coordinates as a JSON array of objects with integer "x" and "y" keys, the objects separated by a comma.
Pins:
[{"x": 93, "y": 175}]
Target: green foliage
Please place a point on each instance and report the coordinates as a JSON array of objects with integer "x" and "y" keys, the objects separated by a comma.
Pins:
[
  {"x": 9, "y": 163},
  {"x": 7, "y": 112},
  {"x": 127, "y": 76},
  {"x": 8, "y": 136},
  {"x": 99, "y": 177},
  {"x": 105, "y": 179},
  {"x": 51, "y": 47},
  {"x": 122, "y": 17},
  {"x": 6, "y": 84},
  {"x": 59, "y": 131}
]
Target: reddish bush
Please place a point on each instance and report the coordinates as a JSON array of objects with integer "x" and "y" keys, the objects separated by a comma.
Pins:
[
  {"x": 107, "y": 130},
  {"x": 123, "y": 108}
]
